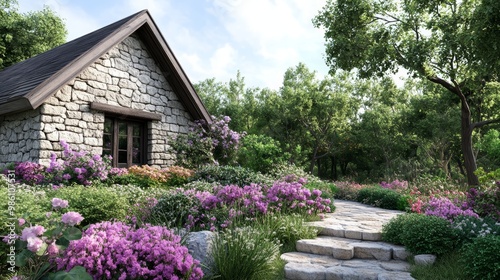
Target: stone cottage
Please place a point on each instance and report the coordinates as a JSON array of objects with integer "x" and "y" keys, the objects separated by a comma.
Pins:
[{"x": 118, "y": 91}]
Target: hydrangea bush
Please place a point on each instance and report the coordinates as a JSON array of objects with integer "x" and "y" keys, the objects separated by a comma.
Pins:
[{"x": 113, "y": 250}]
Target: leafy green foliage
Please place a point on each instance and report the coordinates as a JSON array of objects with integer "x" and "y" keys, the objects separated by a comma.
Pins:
[
  {"x": 95, "y": 204},
  {"x": 26, "y": 35},
  {"x": 481, "y": 259},
  {"x": 260, "y": 152},
  {"x": 383, "y": 198},
  {"x": 421, "y": 234},
  {"x": 468, "y": 228},
  {"x": 229, "y": 175},
  {"x": 173, "y": 210}
]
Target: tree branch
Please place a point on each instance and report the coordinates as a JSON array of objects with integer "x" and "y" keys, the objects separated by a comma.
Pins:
[{"x": 483, "y": 123}]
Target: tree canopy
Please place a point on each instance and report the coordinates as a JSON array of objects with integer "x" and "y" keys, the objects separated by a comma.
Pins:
[
  {"x": 441, "y": 41},
  {"x": 25, "y": 35}
]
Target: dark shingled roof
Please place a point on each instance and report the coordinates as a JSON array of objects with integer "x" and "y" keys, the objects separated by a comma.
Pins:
[{"x": 27, "y": 84}]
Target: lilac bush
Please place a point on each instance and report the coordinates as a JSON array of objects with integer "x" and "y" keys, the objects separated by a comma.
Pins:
[
  {"x": 443, "y": 207},
  {"x": 113, "y": 250},
  {"x": 207, "y": 143},
  {"x": 74, "y": 166}
]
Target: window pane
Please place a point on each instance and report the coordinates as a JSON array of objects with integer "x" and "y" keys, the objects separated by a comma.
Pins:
[
  {"x": 122, "y": 142},
  {"x": 136, "y": 156},
  {"x": 122, "y": 129},
  {"x": 106, "y": 152},
  {"x": 108, "y": 125},
  {"x": 136, "y": 128},
  {"x": 122, "y": 156},
  {"x": 106, "y": 141}
]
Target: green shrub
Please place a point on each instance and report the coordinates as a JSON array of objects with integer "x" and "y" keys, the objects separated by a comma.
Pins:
[
  {"x": 260, "y": 152},
  {"x": 383, "y": 198},
  {"x": 393, "y": 230},
  {"x": 229, "y": 175},
  {"x": 348, "y": 190},
  {"x": 422, "y": 234},
  {"x": 328, "y": 190},
  {"x": 173, "y": 210},
  {"x": 244, "y": 253},
  {"x": 481, "y": 258},
  {"x": 279, "y": 171},
  {"x": 95, "y": 204}
]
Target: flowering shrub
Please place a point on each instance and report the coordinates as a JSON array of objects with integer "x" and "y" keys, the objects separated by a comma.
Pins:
[
  {"x": 443, "y": 207},
  {"x": 486, "y": 203},
  {"x": 225, "y": 204},
  {"x": 395, "y": 185},
  {"x": 114, "y": 250},
  {"x": 348, "y": 190},
  {"x": 73, "y": 167},
  {"x": 230, "y": 175},
  {"x": 469, "y": 227},
  {"x": 147, "y": 176},
  {"x": 207, "y": 143}
]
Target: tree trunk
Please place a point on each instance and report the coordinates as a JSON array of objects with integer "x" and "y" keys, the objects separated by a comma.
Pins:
[{"x": 466, "y": 143}]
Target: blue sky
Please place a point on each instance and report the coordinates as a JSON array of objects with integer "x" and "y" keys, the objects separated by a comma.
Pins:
[{"x": 215, "y": 38}]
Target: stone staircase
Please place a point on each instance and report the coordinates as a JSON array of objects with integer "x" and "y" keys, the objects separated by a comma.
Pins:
[{"x": 349, "y": 247}]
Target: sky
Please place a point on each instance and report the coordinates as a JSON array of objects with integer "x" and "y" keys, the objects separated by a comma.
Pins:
[{"x": 215, "y": 38}]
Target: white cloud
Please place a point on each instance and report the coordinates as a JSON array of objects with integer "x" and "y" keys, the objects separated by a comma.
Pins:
[{"x": 222, "y": 60}]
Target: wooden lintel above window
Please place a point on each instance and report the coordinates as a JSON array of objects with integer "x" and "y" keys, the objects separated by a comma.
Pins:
[{"x": 124, "y": 112}]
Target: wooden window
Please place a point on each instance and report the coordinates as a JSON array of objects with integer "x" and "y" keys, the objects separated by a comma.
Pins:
[{"x": 125, "y": 141}]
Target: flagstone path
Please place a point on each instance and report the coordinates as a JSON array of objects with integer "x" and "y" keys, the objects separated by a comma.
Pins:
[{"x": 349, "y": 247}]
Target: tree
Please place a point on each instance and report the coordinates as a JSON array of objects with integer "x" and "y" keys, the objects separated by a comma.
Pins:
[
  {"x": 25, "y": 35},
  {"x": 437, "y": 40}
]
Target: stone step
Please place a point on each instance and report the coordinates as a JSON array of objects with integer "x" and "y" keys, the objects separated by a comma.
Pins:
[
  {"x": 346, "y": 249},
  {"x": 304, "y": 266}
]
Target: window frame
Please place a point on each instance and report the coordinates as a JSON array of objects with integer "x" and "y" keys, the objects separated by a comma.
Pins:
[{"x": 115, "y": 134}]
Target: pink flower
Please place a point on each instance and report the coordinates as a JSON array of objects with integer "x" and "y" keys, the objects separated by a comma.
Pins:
[
  {"x": 72, "y": 218},
  {"x": 21, "y": 222},
  {"x": 52, "y": 249},
  {"x": 48, "y": 214},
  {"x": 30, "y": 232},
  {"x": 34, "y": 244},
  {"x": 58, "y": 203}
]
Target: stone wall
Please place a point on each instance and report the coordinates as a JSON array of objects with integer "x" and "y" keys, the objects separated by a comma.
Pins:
[
  {"x": 126, "y": 76},
  {"x": 19, "y": 137}
]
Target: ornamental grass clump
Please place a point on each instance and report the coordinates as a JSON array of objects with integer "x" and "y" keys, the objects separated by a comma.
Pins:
[
  {"x": 113, "y": 250},
  {"x": 244, "y": 253}
]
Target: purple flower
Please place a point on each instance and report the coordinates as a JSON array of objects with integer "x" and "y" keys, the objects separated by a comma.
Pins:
[
  {"x": 72, "y": 218},
  {"x": 58, "y": 203},
  {"x": 21, "y": 222}
]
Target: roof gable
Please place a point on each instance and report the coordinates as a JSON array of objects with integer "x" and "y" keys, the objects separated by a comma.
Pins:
[{"x": 26, "y": 85}]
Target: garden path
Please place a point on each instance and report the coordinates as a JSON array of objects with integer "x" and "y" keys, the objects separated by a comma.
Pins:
[{"x": 349, "y": 247}]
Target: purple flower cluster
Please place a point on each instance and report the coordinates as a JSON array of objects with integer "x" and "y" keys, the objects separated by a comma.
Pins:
[
  {"x": 30, "y": 173},
  {"x": 288, "y": 196},
  {"x": 220, "y": 208},
  {"x": 79, "y": 167},
  {"x": 395, "y": 185},
  {"x": 486, "y": 203},
  {"x": 111, "y": 250},
  {"x": 443, "y": 207}
]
